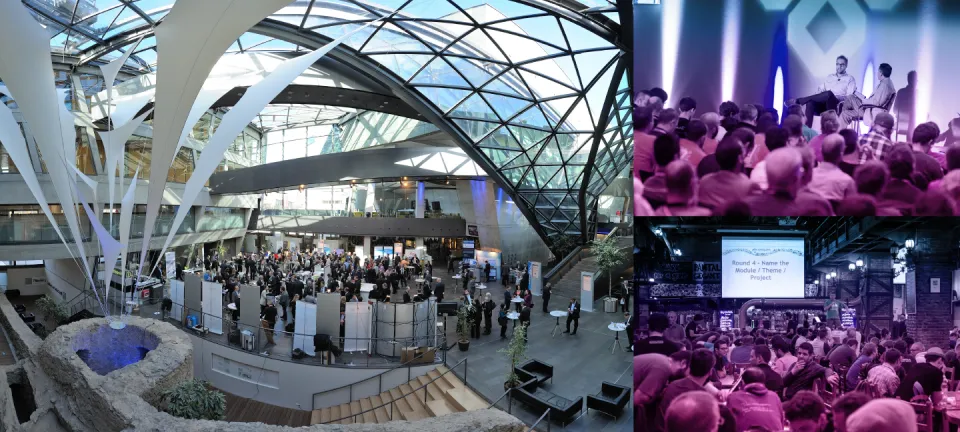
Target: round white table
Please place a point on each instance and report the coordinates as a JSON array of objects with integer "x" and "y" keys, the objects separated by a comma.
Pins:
[
  {"x": 517, "y": 301},
  {"x": 617, "y": 328},
  {"x": 456, "y": 276},
  {"x": 232, "y": 306},
  {"x": 419, "y": 280},
  {"x": 557, "y": 314},
  {"x": 513, "y": 316}
]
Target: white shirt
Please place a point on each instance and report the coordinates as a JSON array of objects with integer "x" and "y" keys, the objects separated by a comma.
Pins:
[
  {"x": 831, "y": 183},
  {"x": 841, "y": 85},
  {"x": 759, "y": 174}
]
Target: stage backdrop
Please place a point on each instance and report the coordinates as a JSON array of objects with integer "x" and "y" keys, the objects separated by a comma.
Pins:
[{"x": 733, "y": 49}]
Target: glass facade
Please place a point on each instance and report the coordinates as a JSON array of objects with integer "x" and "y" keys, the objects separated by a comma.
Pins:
[{"x": 538, "y": 92}]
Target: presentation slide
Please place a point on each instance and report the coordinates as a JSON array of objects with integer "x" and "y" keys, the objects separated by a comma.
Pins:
[{"x": 762, "y": 267}]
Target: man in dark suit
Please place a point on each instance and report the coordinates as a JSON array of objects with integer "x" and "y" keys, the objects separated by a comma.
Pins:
[
  {"x": 525, "y": 321},
  {"x": 573, "y": 314},
  {"x": 438, "y": 292},
  {"x": 406, "y": 295}
]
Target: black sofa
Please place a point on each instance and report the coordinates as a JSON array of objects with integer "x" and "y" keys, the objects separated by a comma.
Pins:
[
  {"x": 562, "y": 410},
  {"x": 534, "y": 369},
  {"x": 610, "y": 400}
]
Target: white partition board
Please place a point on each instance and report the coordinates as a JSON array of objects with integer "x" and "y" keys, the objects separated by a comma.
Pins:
[
  {"x": 176, "y": 295},
  {"x": 305, "y": 327},
  {"x": 213, "y": 307},
  {"x": 586, "y": 291},
  {"x": 357, "y": 318},
  {"x": 328, "y": 315}
]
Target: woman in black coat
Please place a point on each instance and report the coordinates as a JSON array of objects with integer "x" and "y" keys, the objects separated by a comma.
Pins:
[{"x": 477, "y": 311}]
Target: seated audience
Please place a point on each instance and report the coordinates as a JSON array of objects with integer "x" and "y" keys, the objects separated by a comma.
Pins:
[
  {"x": 666, "y": 149},
  {"x": 867, "y": 356},
  {"x": 900, "y": 191},
  {"x": 729, "y": 183},
  {"x": 845, "y": 405},
  {"x": 884, "y": 377},
  {"x": 805, "y": 412},
  {"x": 925, "y": 161},
  {"x": 681, "y": 184},
  {"x": 651, "y": 374},
  {"x": 829, "y": 124},
  {"x": 710, "y": 141},
  {"x": 691, "y": 145},
  {"x": 686, "y": 109},
  {"x": 924, "y": 379},
  {"x": 701, "y": 364},
  {"x": 883, "y": 415},
  {"x": 693, "y": 411},
  {"x": 805, "y": 372},
  {"x": 760, "y": 358},
  {"x": 784, "y": 196},
  {"x": 876, "y": 143},
  {"x": 774, "y": 138},
  {"x": 829, "y": 181},
  {"x": 851, "y": 157},
  {"x": 872, "y": 178},
  {"x": 756, "y": 406}
]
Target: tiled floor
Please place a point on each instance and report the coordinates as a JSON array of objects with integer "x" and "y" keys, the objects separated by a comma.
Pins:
[{"x": 581, "y": 363}]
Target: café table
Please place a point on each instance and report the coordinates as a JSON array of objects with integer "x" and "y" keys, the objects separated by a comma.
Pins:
[{"x": 949, "y": 412}]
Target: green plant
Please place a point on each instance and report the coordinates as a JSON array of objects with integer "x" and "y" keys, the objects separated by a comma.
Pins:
[
  {"x": 49, "y": 307},
  {"x": 562, "y": 245},
  {"x": 515, "y": 352},
  {"x": 194, "y": 400},
  {"x": 609, "y": 256},
  {"x": 464, "y": 322}
]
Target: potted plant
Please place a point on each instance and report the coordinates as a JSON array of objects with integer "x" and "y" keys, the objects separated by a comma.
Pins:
[
  {"x": 195, "y": 401},
  {"x": 515, "y": 352},
  {"x": 609, "y": 257},
  {"x": 464, "y": 321},
  {"x": 52, "y": 310}
]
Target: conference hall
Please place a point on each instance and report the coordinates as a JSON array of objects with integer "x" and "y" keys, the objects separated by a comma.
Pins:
[
  {"x": 240, "y": 215},
  {"x": 796, "y": 323}
]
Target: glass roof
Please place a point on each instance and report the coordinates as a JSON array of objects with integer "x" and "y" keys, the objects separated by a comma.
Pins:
[
  {"x": 278, "y": 116},
  {"x": 535, "y": 92}
]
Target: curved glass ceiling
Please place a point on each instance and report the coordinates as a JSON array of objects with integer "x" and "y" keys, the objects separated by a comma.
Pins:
[{"x": 535, "y": 91}]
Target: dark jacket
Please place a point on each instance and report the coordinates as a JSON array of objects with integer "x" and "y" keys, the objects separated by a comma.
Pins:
[
  {"x": 756, "y": 406},
  {"x": 773, "y": 381},
  {"x": 576, "y": 310},
  {"x": 795, "y": 380}
]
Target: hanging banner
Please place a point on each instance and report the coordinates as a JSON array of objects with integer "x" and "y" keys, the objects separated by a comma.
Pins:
[
  {"x": 398, "y": 248},
  {"x": 534, "y": 269},
  {"x": 171, "y": 259}
]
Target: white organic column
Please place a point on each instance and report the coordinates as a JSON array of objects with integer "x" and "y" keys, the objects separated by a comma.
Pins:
[{"x": 367, "y": 248}]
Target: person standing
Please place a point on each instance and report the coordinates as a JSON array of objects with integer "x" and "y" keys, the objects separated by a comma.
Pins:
[
  {"x": 525, "y": 322},
  {"x": 502, "y": 320},
  {"x": 488, "y": 307},
  {"x": 283, "y": 300},
  {"x": 263, "y": 299},
  {"x": 476, "y": 310},
  {"x": 547, "y": 290},
  {"x": 833, "y": 308},
  {"x": 573, "y": 314},
  {"x": 269, "y": 320}
]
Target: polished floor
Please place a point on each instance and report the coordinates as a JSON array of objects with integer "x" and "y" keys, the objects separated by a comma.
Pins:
[{"x": 581, "y": 363}]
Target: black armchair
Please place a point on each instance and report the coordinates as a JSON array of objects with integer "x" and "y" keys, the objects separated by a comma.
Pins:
[
  {"x": 610, "y": 400},
  {"x": 534, "y": 369},
  {"x": 562, "y": 410}
]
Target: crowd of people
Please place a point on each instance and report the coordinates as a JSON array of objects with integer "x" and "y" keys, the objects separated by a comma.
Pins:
[
  {"x": 744, "y": 161},
  {"x": 808, "y": 378}
]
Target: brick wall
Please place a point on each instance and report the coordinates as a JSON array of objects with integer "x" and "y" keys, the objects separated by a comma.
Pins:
[{"x": 934, "y": 318}]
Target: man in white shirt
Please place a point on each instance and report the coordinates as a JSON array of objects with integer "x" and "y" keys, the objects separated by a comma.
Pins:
[
  {"x": 828, "y": 180},
  {"x": 831, "y": 92}
]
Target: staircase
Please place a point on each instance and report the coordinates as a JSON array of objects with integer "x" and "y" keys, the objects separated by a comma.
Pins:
[
  {"x": 445, "y": 394},
  {"x": 569, "y": 285}
]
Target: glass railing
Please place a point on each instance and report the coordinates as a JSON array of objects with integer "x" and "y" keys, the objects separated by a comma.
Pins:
[
  {"x": 221, "y": 222},
  {"x": 403, "y": 213},
  {"x": 20, "y": 229}
]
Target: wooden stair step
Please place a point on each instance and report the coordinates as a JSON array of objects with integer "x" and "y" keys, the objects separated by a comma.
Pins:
[
  {"x": 366, "y": 406},
  {"x": 325, "y": 415},
  {"x": 345, "y": 411},
  {"x": 334, "y": 414},
  {"x": 315, "y": 417},
  {"x": 434, "y": 391},
  {"x": 414, "y": 415},
  {"x": 401, "y": 403},
  {"x": 381, "y": 414},
  {"x": 440, "y": 407},
  {"x": 416, "y": 402},
  {"x": 465, "y": 400}
]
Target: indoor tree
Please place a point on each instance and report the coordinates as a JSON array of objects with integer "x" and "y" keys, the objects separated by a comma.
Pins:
[
  {"x": 609, "y": 257},
  {"x": 515, "y": 352},
  {"x": 194, "y": 400}
]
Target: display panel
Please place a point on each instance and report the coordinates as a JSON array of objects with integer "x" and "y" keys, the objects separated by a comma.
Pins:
[{"x": 762, "y": 267}]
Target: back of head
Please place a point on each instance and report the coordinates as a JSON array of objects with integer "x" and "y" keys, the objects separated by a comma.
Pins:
[
  {"x": 900, "y": 161},
  {"x": 681, "y": 181},
  {"x": 658, "y": 322},
  {"x": 833, "y": 148},
  {"x": 696, "y": 130},
  {"x": 901, "y": 345},
  {"x": 884, "y": 120},
  {"x": 762, "y": 352},
  {"x": 869, "y": 349},
  {"x": 766, "y": 121},
  {"x": 748, "y": 113},
  {"x": 687, "y": 104},
  {"x": 829, "y": 122},
  {"x": 951, "y": 184},
  {"x": 861, "y": 205},
  {"x": 953, "y": 157},
  {"x": 935, "y": 203},
  {"x": 658, "y": 92},
  {"x": 747, "y": 340},
  {"x": 666, "y": 149},
  {"x": 805, "y": 405},
  {"x": 746, "y": 136},
  {"x": 643, "y": 117},
  {"x": 712, "y": 121},
  {"x": 729, "y": 109},
  {"x": 795, "y": 109},
  {"x": 729, "y": 153},
  {"x": 784, "y": 169},
  {"x": 776, "y": 138},
  {"x": 793, "y": 124},
  {"x": 850, "y": 402},
  {"x": 736, "y": 209},
  {"x": 850, "y": 139},
  {"x": 753, "y": 375},
  {"x": 871, "y": 177},
  {"x": 891, "y": 356},
  {"x": 701, "y": 362},
  {"x": 668, "y": 116},
  {"x": 883, "y": 415},
  {"x": 925, "y": 134},
  {"x": 693, "y": 411}
]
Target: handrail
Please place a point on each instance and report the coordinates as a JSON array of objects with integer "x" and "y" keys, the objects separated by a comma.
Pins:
[
  {"x": 545, "y": 414},
  {"x": 403, "y": 395},
  {"x": 560, "y": 265},
  {"x": 408, "y": 364}
]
